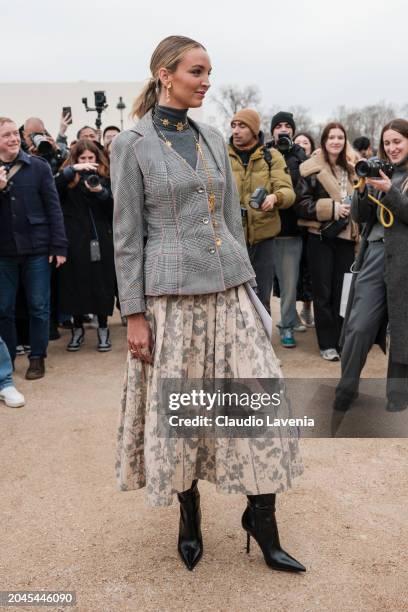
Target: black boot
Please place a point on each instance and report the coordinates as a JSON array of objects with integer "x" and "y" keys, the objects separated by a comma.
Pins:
[
  {"x": 190, "y": 542},
  {"x": 259, "y": 522}
]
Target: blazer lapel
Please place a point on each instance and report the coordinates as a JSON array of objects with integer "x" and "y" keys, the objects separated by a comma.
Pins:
[
  {"x": 212, "y": 145},
  {"x": 149, "y": 147}
]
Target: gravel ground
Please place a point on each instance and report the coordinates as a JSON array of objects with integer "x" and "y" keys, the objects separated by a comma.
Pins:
[{"x": 64, "y": 526}]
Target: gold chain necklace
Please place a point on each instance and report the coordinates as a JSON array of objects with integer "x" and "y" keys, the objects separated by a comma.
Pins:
[
  {"x": 180, "y": 126},
  {"x": 211, "y": 196}
]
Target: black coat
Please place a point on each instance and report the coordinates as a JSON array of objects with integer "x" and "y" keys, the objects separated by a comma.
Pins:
[
  {"x": 30, "y": 213},
  {"x": 293, "y": 158},
  {"x": 396, "y": 259},
  {"x": 85, "y": 286}
]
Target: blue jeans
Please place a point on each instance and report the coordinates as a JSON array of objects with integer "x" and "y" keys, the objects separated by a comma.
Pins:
[
  {"x": 287, "y": 253},
  {"x": 36, "y": 274},
  {"x": 6, "y": 369}
]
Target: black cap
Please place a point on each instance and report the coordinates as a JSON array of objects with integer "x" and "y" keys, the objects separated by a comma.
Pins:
[{"x": 281, "y": 117}]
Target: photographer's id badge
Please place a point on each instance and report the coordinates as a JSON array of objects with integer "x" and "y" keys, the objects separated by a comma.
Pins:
[{"x": 95, "y": 250}]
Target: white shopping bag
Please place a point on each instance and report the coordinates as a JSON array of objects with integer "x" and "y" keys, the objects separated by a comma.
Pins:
[
  {"x": 345, "y": 292},
  {"x": 261, "y": 310}
]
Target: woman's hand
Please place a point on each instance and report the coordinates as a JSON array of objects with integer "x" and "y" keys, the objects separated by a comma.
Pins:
[
  {"x": 344, "y": 211},
  {"x": 383, "y": 184},
  {"x": 85, "y": 167},
  {"x": 140, "y": 338}
]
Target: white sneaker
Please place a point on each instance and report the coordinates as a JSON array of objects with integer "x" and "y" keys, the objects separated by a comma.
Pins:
[
  {"x": 12, "y": 397},
  {"x": 330, "y": 354}
]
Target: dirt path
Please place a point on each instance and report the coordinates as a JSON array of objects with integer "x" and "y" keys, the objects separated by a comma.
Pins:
[{"x": 64, "y": 526}]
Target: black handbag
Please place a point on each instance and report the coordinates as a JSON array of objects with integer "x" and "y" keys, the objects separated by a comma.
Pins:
[{"x": 333, "y": 228}]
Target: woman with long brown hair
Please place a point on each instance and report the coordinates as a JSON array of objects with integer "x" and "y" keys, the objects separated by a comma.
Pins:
[
  {"x": 323, "y": 205},
  {"x": 182, "y": 265},
  {"x": 87, "y": 282}
]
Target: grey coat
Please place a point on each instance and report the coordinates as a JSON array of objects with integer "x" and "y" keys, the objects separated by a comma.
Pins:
[
  {"x": 396, "y": 261},
  {"x": 158, "y": 194}
]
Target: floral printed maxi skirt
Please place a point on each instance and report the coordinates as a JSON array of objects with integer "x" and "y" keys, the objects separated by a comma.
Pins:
[{"x": 218, "y": 335}]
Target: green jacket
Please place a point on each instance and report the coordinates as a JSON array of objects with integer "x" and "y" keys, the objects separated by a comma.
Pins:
[{"x": 259, "y": 225}]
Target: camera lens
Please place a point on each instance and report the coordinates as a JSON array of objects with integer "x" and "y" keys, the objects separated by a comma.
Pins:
[
  {"x": 93, "y": 180},
  {"x": 284, "y": 143},
  {"x": 41, "y": 144},
  {"x": 363, "y": 168}
]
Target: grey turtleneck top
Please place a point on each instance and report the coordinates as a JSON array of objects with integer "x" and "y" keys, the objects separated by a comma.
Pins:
[
  {"x": 182, "y": 141},
  {"x": 398, "y": 177}
]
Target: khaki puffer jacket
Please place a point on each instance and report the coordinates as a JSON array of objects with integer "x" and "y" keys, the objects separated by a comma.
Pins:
[{"x": 259, "y": 225}]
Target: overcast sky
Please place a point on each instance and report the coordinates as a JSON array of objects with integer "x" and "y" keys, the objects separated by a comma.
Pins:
[{"x": 316, "y": 53}]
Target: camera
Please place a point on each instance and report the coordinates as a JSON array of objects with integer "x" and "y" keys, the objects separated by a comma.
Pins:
[
  {"x": 100, "y": 106},
  {"x": 284, "y": 142},
  {"x": 91, "y": 178},
  {"x": 258, "y": 198},
  {"x": 43, "y": 146},
  {"x": 371, "y": 168},
  {"x": 100, "y": 100}
]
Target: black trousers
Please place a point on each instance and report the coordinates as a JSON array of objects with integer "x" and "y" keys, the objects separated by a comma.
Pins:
[
  {"x": 329, "y": 260},
  {"x": 261, "y": 256}
]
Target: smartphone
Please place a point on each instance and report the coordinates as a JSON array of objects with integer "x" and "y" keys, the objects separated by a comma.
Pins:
[{"x": 66, "y": 110}]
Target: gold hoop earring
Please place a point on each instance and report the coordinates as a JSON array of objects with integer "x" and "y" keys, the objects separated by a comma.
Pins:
[{"x": 168, "y": 92}]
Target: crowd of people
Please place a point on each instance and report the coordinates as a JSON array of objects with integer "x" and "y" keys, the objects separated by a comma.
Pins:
[{"x": 56, "y": 233}]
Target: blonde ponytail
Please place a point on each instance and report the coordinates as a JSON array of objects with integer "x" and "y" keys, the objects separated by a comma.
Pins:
[{"x": 145, "y": 100}]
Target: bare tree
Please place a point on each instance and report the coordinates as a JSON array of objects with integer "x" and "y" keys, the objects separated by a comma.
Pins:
[
  {"x": 366, "y": 121},
  {"x": 231, "y": 98}
]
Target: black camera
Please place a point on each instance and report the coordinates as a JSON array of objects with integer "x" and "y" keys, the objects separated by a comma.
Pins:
[
  {"x": 370, "y": 168},
  {"x": 100, "y": 100},
  {"x": 284, "y": 142},
  {"x": 91, "y": 178},
  {"x": 258, "y": 198},
  {"x": 40, "y": 142}
]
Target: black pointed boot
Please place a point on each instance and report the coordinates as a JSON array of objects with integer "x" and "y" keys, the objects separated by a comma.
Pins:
[
  {"x": 190, "y": 541},
  {"x": 259, "y": 522}
]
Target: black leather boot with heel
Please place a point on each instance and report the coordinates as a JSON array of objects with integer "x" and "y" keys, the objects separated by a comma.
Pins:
[
  {"x": 190, "y": 541},
  {"x": 259, "y": 522}
]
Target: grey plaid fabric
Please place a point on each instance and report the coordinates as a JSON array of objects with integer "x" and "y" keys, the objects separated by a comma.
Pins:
[{"x": 157, "y": 191}]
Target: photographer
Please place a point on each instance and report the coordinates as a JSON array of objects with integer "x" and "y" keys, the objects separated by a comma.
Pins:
[
  {"x": 31, "y": 236},
  {"x": 362, "y": 147},
  {"x": 89, "y": 133},
  {"x": 87, "y": 284},
  {"x": 381, "y": 283},
  {"x": 254, "y": 166},
  {"x": 41, "y": 144},
  {"x": 288, "y": 243},
  {"x": 109, "y": 134}
]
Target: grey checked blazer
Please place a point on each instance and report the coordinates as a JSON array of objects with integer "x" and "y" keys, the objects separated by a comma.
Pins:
[{"x": 157, "y": 193}]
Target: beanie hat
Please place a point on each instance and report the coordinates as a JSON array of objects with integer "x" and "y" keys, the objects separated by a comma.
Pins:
[
  {"x": 250, "y": 118},
  {"x": 282, "y": 117}
]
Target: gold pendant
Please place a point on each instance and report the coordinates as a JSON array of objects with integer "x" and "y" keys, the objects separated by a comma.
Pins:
[{"x": 165, "y": 122}]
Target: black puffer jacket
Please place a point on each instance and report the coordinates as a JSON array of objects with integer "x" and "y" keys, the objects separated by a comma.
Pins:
[{"x": 293, "y": 158}]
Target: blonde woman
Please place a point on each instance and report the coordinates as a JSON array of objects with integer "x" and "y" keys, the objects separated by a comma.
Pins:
[{"x": 181, "y": 264}]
